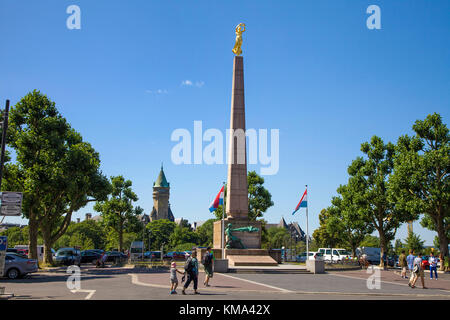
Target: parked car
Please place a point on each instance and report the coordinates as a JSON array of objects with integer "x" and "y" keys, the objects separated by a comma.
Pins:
[
  {"x": 116, "y": 256},
  {"x": 17, "y": 266},
  {"x": 152, "y": 255},
  {"x": 67, "y": 256},
  {"x": 175, "y": 255},
  {"x": 89, "y": 256}
]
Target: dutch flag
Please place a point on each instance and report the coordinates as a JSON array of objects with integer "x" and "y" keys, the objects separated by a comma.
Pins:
[
  {"x": 217, "y": 201},
  {"x": 303, "y": 202}
]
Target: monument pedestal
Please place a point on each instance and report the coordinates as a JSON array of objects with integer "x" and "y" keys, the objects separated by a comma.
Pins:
[
  {"x": 251, "y": 240},
  {"x": 252, "y": 255}
]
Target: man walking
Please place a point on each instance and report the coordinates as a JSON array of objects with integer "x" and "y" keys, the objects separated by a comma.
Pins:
[
  {"x": 403, "y": 263},
  {"x": 418, "y": 272},
  {"x": 191, "y": 268},
  {"x": 207, "y": 262},
  {"x": 433, "y": 266}
]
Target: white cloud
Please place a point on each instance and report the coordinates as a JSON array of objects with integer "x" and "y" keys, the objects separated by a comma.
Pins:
[
  {"x": 189, "y": 83},
  {"x": 186, "y": 83},
  {"x": 158, "y": 91}
]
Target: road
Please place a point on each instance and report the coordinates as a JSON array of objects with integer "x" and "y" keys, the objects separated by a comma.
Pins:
[{"x": 133, "y": 284}]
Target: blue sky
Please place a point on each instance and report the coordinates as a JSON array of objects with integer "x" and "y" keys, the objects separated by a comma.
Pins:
[{"x": 313, "y": 70}]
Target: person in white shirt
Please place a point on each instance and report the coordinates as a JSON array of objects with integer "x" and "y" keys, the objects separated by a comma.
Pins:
[{"x": 432, "y": 260}]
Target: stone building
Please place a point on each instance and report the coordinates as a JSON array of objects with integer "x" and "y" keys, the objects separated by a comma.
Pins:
[
  {"x": 161, "y": 193},
  {"x": 294, "y": 229}
]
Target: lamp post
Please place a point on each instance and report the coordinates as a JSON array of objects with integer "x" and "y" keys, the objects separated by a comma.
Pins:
[{"x": 143, "y": 220}]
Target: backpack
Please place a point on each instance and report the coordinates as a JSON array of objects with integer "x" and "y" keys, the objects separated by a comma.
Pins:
[
  {"x": 206, "y": 260},
  {"x": 188, "y": 265}
]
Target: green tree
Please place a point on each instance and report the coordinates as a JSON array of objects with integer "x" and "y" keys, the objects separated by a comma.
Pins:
[
  {"x": 413, "y": 242},
  {"x": 87, "y": 234},
  {"x": 369, "y": 181},
  {"x": 182, "y": 235},
  {"x": 421, "y": 179},
  {"x": 325, "y": 235},
  {"x": 259, "y": 198},
  {"x": 15, "y": 236},
  {"x": 117, "y": 209},
  {"x": 398, "y": 247},
  {"x": 346, "y": 220},
  {"x": 55, "y": 169},
  {"x": 277, "y": 237},
  {"x": 370, "y": 241},
  {"x": 205, "y": 233},
  {"x": 160, "y": 231}
]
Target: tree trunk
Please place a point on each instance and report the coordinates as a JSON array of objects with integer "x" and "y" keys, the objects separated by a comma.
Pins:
[
  {"x": 33, "y": 237},
  {"x": 46, "y": 233},
  {"x": 382, "y": 247},
  {"x": 443, "y": 243},
  {"x": 120, "y": 238},
  {"x": 353, "y": 251}
]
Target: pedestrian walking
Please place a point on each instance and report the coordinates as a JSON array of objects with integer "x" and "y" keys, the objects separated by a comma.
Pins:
[
  {"x": 418, "y": 272},
  {"x": 403, "y": 264},
  {"x": 432, "y": 260},
  {"x": 207, "y": 261},
  {"x": 191, "y": 269},
  {"x": 174, "y": 278},
  {"x": 410, "y": 260}
]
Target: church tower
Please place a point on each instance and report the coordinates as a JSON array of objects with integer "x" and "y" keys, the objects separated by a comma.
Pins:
[{"x": 161, "y": 193}]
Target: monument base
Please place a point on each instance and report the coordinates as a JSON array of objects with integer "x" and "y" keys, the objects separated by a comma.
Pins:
[{"x": 251, "y": 240}]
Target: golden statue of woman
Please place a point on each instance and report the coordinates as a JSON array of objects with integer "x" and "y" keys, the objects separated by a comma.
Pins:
[{"x": 237, "y": 46}]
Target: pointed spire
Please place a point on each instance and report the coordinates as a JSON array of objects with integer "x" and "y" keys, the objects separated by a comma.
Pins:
[{"x": 161, "y": 181}]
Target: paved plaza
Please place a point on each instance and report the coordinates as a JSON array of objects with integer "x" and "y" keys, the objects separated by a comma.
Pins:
[{"x": 129, "y": 284}]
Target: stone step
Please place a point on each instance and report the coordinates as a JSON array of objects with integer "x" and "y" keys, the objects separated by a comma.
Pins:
[{"x": 251, "y": 260}]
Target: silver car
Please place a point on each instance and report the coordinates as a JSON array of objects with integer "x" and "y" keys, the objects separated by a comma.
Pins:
[{"x": 17, "y": 265}]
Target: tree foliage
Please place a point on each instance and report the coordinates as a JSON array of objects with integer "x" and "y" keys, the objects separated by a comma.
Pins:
[
  {"x": 346, "y": 220},
  {"x": 369, "y": 183},
  {"x": 205, "y": 233},
  {"x": 55, "y": 169},
  {"x": 160, "y": 231},
  {"x": 117, "y": 210},
  {"x": 421, "y": 183},
  {"x": 325, "y": 235}
]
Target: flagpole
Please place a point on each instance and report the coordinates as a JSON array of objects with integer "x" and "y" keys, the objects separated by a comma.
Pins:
[
  {"x": 307, "y": 233},
  {"x": 223, "y": 223}
]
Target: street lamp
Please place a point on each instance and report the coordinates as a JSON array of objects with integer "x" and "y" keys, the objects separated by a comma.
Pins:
[{"x": 143, "y": 220}]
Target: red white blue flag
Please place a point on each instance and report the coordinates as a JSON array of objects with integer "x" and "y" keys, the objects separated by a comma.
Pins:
[
  {"x": 303, "y": 202},
  {"x": 217, "y": 201}
]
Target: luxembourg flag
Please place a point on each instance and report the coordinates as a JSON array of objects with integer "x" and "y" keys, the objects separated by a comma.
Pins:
[
  {"x": 217, "y": 201},
  {"x": 303, "y": 202}
]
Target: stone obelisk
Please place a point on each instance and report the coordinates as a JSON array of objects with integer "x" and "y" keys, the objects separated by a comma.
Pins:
[
  {"x": 237, "y": 190},
  {"x": 244, "y": 248}
]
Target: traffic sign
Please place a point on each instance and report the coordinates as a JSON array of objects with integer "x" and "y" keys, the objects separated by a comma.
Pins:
[
  {"x": 11, "y": 203},
  {"x": 10, "y": 210},
  {"x": 12, "y": 197},
  {"x": 3, "y": 243}
]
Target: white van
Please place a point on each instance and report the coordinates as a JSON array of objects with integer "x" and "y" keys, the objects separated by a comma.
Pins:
[
  {"x": 334, "y": 254},
  {"x": 136, "y": 250}
]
